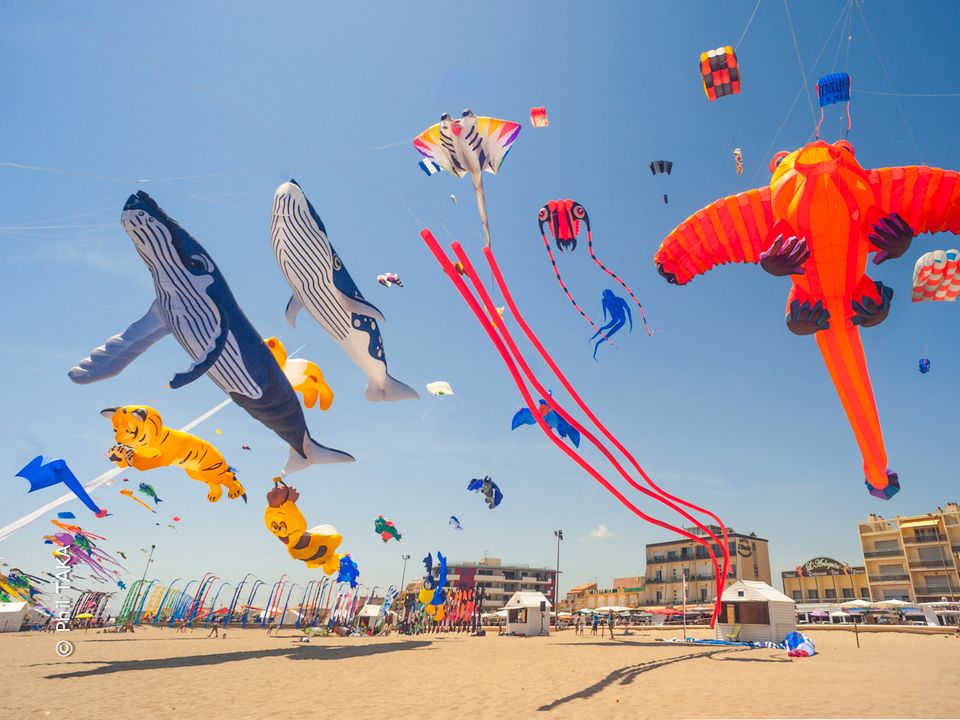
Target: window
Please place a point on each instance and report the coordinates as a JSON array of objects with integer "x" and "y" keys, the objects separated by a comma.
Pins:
[
  {"x": 848, "y": 593},
  {"x": 813, "y": 595},
  {"x": 830, "y": 594},
  {"x": 798, "y": 595},
  {"x": 703, "y": 594},
  {"x": 865, "y": 593}
]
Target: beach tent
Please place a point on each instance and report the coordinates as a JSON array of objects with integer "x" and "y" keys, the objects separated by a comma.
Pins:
[
  {"x": 13, "y": 615},
  {"x": 528, "y": 613},
  {"x": 839, "y": 616},
  {"x": 759, "y": 612},
  {"x": 857, "y": 604}
]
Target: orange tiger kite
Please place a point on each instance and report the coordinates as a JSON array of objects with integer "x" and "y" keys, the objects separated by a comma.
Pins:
[{"x": 817, "y": 221}]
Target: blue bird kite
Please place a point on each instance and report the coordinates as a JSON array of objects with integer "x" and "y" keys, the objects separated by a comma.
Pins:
[
  {"x": 523, "y": 416},
  {"x": 454, "y": 523}
]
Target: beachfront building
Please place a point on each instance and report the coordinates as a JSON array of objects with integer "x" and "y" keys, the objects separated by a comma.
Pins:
[
  {"x": 913, "y": 558},
  {"x": 501, "y": 580},
  {"x": 626, "y": 592},
  {"x": 825, "y": 580},
  {"x": 668, "y": 561}
]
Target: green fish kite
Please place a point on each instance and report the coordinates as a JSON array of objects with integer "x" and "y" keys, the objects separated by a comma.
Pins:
[
  {"x": 385, "y": 529},
  {"x": 150, "y": 492}
]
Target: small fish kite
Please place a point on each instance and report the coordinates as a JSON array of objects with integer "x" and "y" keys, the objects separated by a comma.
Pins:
[
  {"x": 924, "y": 366},
  {"x": 538, "y": 117},
  {"x": 129, "y": 494},
  {"x": 385, "y": 529},
  {"x": 468, "y": 146},
  {"x": 121, "y": 585},
  {"x": 349, "y": 572},
  {"x": 176, "y": 518},
  {"x": 122, "y": 554},
  {"x": 455, "y": 523},
  {"x": 389, "y": 280},
  {"x": 523, "y": 416},
  {"x": 148, "y": 490},
  {"x": 244, "y": 447},
  {"x": 618, "y": 311},
  {"x": 66, "y": 515},
  {"x": 488, "y": 488},
  {"x": 42, "y": 474}
]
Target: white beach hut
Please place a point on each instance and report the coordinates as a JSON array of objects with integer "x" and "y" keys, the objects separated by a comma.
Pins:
[
  {"x": 754, "y": 611},
  {"x": 528, "y": 613},
  {"x": 13, "y": 615}
]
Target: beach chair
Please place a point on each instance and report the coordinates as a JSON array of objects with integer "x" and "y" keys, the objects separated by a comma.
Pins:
[{"x": 734, "y": 634}]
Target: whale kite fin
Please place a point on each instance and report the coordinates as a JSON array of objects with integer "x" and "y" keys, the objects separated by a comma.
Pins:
[
  {"x": 118, "y": 352},
  {"x": 293, "y": 307},
  {"x": 316, "y": 454},
  {"x": 202, "y": 364},
  {"x": 392, "y": 391}
]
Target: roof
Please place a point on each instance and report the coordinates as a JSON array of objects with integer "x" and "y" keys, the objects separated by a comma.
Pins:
[
  {"x": 686, "y": 541},
  {"x": 753, "y": 591},
  {"x": 12, "y": 607},
  {"x": 919, "y": 523},
  {"x": 581, "y": 588},
  {"x": 525, "y": 599}
]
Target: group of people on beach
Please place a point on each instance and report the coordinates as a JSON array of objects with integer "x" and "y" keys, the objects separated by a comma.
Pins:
[{"x": 595, "y": 624}]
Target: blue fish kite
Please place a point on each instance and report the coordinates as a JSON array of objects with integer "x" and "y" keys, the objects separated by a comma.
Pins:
[
  {"x": 149, "y": 492},
  {"x": 488, "y": 488},
  {"x": 349, "y": 572},
  {"x": 66, "y": 515},
  {"x": 194, "y": 303},
  {"x": 43, "y": 475},
  {"x": 455, "y": 523},
  {"x": 121, "y": 585},
  {"x": 523, "y": 416}
]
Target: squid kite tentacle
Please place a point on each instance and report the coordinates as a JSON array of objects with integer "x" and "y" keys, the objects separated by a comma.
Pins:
[
  {"x": 531, "y": 377},
  {"x": 556, "y": 270},
  {"x": 528, "y": 399},
  {"x": 612, "y": 274},
  {"x": 508, "y": 298}
]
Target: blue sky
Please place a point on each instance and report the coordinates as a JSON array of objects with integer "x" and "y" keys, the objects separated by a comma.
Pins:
[{"x": 209, "y": 108}]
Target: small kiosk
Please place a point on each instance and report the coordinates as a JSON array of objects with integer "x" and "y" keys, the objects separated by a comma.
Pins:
[
  {"x": 753, "y": 611},
  {"x": 528, "y": 613}
]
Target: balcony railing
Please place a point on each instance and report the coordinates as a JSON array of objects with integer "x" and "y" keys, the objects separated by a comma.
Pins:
[
  {"x": 946, "y": 563},
  {"x": 889, "y": 578},
  {"x": 924, "y": 539},
  {"x": 882, "y": 553},
  {"x": 937, "y": 591}
]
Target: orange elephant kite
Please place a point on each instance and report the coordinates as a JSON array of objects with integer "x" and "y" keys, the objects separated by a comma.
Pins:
[{"x": 817, "y": 221}]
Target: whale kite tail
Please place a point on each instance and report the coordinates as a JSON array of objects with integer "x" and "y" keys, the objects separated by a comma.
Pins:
[
  {"x": 317, "y": 454},
  {"x": 391, "y": 391}
]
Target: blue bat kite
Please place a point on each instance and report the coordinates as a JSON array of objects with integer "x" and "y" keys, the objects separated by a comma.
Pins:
[
  {"x": 488, "y": 488},
  {"x": 523, "y": 416},
  {"x": 43, "y": 475}
]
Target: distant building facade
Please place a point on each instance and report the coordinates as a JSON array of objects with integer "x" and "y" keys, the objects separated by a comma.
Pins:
[
  {"x": 824, "y": 579},
  {"x": 501, "y": 580},
  {"x": 667, "y": 562},
  {"x": 913, "y": 558}
]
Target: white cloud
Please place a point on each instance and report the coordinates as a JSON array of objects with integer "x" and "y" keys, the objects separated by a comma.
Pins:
[{"x": 600, "y": 532}]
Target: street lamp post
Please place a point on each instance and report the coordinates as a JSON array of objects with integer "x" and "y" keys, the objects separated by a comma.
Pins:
[
  {"x": 404, "y": 575},
  {"x": 144, "y": 578},
  {"x": 558, "y": 534}
]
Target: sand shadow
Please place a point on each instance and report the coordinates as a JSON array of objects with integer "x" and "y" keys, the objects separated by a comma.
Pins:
[
  {"x": 626, "y": 675},
  {"x": 298, "y": 652},
  {"x": 753, "y": 659}
]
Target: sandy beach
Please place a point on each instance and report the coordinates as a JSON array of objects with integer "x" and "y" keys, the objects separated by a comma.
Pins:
[{"x": 158, "y": 674}]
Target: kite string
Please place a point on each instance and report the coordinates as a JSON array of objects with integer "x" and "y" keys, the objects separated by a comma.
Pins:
[
  {"x": 749, "y": 22},
  {"x": 886, "y": 75},
  {"x": 803, "y": 73}
]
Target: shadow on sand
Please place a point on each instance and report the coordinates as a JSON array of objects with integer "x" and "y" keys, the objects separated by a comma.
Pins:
[
  {"x": 300, "y": 652},
  {"x": 626, "y": 675}
]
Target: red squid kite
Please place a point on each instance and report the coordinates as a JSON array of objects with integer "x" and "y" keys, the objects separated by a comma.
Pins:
[{"x": 817, "y": 221}]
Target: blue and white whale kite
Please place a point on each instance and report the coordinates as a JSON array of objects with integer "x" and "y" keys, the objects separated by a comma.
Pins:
[
  {"x": 194, "y": 303},
  {"x": 322, "y": 285}
]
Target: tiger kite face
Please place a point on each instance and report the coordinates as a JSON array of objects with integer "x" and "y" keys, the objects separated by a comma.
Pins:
[{"x": 135, "y": 425}]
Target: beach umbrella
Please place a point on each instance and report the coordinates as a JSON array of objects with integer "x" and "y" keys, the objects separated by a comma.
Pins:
[
  {"x": 863, "y": 604},
  {"x": 896, "y": 604},
  {"x": 84, "y": 616},
  {"x": 819, "y": 613},
  {"x": 666, "y": 611}
]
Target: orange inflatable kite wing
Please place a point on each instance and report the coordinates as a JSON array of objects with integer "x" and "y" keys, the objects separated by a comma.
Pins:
[
  {"x": 927, "y": 198},
  {"x": 733, "y": 229}
]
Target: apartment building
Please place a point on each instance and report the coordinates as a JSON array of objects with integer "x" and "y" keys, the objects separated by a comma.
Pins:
[
  {"x": 913, "y": 557},
  {"x": 824, "y": 579},
  {"x": 501, "y": 580}
]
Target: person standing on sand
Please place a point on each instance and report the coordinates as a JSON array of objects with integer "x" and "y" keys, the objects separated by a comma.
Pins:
[
  {"x": 215, "y": 630},
  {"x": 595, "y": 621},
  {"x": 611, "y": 620}
]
